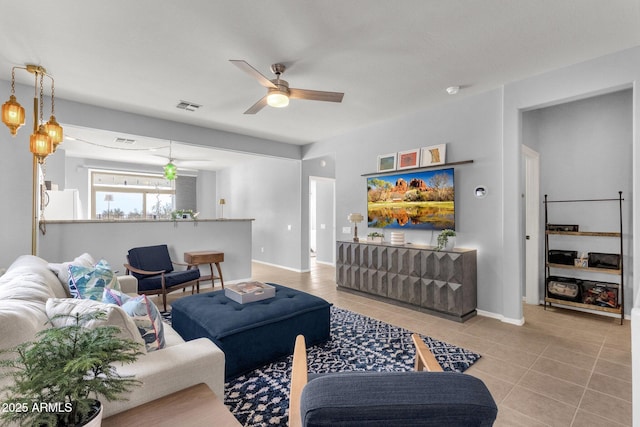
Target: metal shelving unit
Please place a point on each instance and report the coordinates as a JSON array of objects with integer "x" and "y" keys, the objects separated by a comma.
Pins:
[{"x": 619, "y": 272}]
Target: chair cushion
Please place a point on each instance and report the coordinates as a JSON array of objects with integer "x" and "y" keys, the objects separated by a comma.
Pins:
[
  {"x": 397, "y": 399},
  {"x": 171, "y": 279},
  {"x": 150, "y": 258}
]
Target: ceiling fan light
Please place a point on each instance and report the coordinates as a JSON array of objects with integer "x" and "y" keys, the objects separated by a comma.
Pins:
[
  {"x": 12, "y": 114},
  {"x": 277, "y": 99}
]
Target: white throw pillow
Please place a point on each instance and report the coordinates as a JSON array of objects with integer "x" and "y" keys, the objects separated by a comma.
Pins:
[
  {"x": 116, "y": 316},
  {"x": 62, "y": 269}
]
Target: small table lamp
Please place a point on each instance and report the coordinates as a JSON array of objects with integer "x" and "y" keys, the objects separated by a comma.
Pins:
[
  {"x": 355, "y": 218},
  {"x": 222, "y": 202},
  {"x": 108, "y": 198}
]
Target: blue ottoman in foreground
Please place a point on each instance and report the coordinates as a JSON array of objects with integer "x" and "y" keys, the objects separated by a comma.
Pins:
[{"x": 255, "y": 333}]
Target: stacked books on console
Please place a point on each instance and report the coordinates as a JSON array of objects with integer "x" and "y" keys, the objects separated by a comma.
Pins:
[{"x": 249, "y": 292}]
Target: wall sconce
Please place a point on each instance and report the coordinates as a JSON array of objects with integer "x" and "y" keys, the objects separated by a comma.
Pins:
[
  {"x": 222, "y": 202},
  {"x": 355, "y": 218},
  {"x": 480, "y": 191},
  {"x": 44, "y": 139}
]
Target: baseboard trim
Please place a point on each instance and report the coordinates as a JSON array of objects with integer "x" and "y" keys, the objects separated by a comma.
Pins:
[
  {"x": 501, "y": 317},
  {"x": 297, "y": 270}
]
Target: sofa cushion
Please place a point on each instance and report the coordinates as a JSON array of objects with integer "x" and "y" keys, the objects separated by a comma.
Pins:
[
  {"x": 20, "y": 321},
  {"x": 90, "y": 282},
  {"x": 62, "y": 269},
  {"x": 37, "y": 270},
  {"x": 67, "y": 308}
]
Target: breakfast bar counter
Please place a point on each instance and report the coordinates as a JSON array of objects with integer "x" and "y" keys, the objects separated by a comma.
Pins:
[{"x": 112, "y": 239}]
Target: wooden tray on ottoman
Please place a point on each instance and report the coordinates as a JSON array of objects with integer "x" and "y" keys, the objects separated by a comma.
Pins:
[{"x": 249, "y": 292}]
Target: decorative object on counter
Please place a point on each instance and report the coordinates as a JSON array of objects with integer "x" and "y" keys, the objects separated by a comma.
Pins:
[
  {"x": 79, "y": 360},
  {"x": 184, "y": 214},
  {"x": 355, "y": 218},
  {"x": 387, "y": 162},
  {"x": 433, "y": 155},
  {"x": 443, "y": 239},
  {"x": 222, "y": 202},
  {"x": 108, "y": 198},
  {"x": 376, "y": 237},
  {"x": 397, "y": 238}
]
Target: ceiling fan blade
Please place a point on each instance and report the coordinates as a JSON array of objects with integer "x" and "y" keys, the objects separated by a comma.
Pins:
[
  {"x": 244, "y": 66},
  {"x": 315, "y": 95},
  {"x": 257, "y": 106}
]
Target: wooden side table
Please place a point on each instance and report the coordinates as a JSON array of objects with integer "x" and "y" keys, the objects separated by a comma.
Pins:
[
  {"x": 195, "y": 258},
  {"x": 192, "y": 407}
]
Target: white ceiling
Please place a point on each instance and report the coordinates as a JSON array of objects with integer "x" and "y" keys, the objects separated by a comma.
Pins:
[{"x": 389, "y": 58}]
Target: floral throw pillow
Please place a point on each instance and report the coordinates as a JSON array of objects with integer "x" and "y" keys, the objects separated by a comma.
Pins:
[
  {"x": 90, "y": 282},
  {"x": 145, "y": 315}
]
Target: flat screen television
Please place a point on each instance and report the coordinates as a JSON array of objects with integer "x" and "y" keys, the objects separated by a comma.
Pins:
[{"x": 422, "y": 200}]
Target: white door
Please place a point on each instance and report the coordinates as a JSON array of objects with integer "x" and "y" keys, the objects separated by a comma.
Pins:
[{"x": 532, "y": 224}]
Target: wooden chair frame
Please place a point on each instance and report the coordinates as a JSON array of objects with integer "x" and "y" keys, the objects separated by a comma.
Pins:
[
  {"x": 163, "y": 289},
  {"x": 425, "y": 361}
]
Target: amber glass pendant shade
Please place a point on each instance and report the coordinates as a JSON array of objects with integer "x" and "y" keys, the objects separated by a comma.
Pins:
[
  {"x": 54, "y": 130},
  {"x": 40, "y": 144},
  {"x": 12, "y": 114},
  {"x": 170, "y": 171}
]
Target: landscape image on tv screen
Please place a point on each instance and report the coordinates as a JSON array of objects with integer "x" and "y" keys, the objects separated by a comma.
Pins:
[{"x": 412, "y": 200}]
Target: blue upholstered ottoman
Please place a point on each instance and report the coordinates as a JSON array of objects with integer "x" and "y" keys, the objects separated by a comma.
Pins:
[{"x": 256, "y": 333}]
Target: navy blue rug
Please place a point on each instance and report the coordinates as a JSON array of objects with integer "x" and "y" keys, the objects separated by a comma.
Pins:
[{"x": 358, "y": 343}]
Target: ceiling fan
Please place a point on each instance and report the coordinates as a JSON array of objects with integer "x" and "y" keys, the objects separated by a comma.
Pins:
[{"x": 278, "y": 90}]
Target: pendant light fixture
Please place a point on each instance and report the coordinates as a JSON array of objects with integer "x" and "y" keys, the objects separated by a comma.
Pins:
[
  {"x": 170, "y": 170},
  {"x": 43, "y": 140},
  {"x": 45, "y": 137}
]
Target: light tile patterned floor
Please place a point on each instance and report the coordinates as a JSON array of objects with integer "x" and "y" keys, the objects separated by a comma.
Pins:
[{"x": 562, "y": 368}]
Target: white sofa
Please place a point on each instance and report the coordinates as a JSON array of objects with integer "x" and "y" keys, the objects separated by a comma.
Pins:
[{"x": 24, "y": 290}]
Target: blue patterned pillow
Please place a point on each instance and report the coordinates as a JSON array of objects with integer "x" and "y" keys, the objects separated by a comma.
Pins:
[
  {"x": 90, "y": 282},
  {"x": 113, "y": 296},
  {"x": 147, "y": 318}
]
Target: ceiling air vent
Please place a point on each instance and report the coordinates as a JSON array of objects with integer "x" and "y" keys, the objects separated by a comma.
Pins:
[
  {"x": 189, "y": 106},
  {"x": 124, "y": 141}
]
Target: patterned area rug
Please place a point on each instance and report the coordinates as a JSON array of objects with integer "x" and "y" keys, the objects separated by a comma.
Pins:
[{"x": 358, "y": 343}]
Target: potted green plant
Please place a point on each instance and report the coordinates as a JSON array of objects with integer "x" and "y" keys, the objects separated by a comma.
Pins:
[
  {"x": 58, "y": 378},
  {"x": 443, "y": 239},
  {"x": 376, "y": 237}
]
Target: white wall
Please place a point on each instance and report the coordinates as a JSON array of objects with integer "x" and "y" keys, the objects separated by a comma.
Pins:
[
  {"x": 267, "y": 190},
  {"x": 16, "y": 160},
  {"x": 206, "y": 193},
  {"x": 471, "y": 129},
  {"x": 586, "y": 151}
]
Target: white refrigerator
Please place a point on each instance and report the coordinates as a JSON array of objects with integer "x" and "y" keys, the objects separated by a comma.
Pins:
[{"x": 62, "y": 205}]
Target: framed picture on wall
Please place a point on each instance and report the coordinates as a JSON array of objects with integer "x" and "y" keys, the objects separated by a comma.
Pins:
[
  {"x": 433, "y": 155},
  {"x": 387, "y": 162},
  {"x": 409, "y": 159}
]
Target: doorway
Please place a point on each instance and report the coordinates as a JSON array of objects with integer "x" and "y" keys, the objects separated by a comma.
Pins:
[
  {"x": 531, "y": 161},
  {"x": 322, "y": 233}
]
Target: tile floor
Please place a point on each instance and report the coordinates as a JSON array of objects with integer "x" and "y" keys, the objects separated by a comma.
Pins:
[{"x": 562, "y": 368}]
